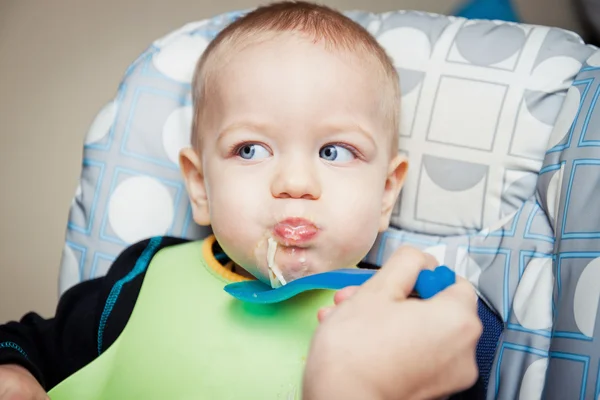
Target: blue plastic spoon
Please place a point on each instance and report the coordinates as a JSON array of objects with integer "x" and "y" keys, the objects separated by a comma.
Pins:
[{"x": 428, "y": 284}]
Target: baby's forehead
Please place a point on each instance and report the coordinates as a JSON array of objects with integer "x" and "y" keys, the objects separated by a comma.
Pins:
[
  {"x": 294, "y": 55},
  {"x": 289, "y": 43},
  {"x": 299, "y": 70}
]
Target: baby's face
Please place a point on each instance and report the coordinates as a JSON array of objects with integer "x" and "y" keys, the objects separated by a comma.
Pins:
[{"x": 294, "y": 148}]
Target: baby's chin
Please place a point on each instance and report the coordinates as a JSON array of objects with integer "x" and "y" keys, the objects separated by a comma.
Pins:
[
  {"x": 293, "y": 262},
  {"x": 298, "y": 264},
  {"x": 290, "y": 269}
]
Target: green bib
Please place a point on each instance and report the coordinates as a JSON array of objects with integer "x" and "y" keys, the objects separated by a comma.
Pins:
[{"x": 188, "y": 339}]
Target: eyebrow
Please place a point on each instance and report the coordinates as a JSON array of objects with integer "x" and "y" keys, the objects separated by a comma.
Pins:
[
  {"x": 249, "y": 126},
  {"x": 350, "y": 127}
]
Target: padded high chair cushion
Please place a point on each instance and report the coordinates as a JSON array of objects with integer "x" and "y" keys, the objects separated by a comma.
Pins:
[{"x": 497, "y": 122}]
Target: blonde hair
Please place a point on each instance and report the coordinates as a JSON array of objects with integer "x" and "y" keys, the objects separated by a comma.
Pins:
[{"x": 316, "y": 22}]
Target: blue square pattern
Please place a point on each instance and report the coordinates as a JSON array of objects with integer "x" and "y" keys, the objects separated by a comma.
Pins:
[
  {"x": 498, "y": 252},
  {"x": 581, "y": 166},
  {"x": 586, "y": 83},
  {"x": 138, "y": 63},
  {"x": 154, "y": 96},
  {"x": 562, "y": 256},
  {"x": 550, "y": 168},
  {"x": 512, "y": 347},
  {"x": 98, "y": 258},
  {"x": 124, "y": 172},
  {"x": 597, "y": 395},
  {"x": 574, "y": 360},
  {"x": 511, "y": 231},
  {"x": 584, "y": 130},
  {"x": 147, "y": 67},
  {"x": 82, "y": 250},
  {"x": 524, "y": 257},
  {"x": 107, "y": 141},
  {"x": 99, "y": 167},
  {"x": 528, "y": 234},
  {"x": 539, "y": 332}
]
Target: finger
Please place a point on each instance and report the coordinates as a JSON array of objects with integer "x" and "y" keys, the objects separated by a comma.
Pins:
[
  {"x": 462, "y": 291},
  {"x": 398, "y": 276},
  {"x": 324, "y": 312},
  {"x": 344, "y": 294}
]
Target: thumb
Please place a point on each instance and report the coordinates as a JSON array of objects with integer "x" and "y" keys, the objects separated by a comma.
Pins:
[{"x": 399, "y": 274}]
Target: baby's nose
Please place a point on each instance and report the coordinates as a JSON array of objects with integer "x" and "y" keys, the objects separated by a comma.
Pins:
[{"x": 297, "y": 180}]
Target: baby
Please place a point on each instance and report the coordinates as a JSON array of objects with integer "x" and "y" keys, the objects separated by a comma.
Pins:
[
  {"x": 294, "y": 140},
  {"x": 294, "y": 164}
]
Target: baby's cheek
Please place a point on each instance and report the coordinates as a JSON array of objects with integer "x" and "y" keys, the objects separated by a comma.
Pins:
[
  {"x": 242, "y": 239},
  {"x": 223, "y": 226},
  {"x": 228, "y": 229},
  {"x": 364, "y": 225},
  {"x": 258, "y": 260},
  {"x": 361, "y": 234},
  {"x": 358, "y": 247},
  {"x": 228, "y": 216}
]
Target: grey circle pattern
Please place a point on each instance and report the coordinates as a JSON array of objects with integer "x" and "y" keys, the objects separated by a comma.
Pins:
[
  {"x": 559, "y": 43},
  {"x": 543, "y": 106},
  {"x": 484, "y": 44},
  {"x": 454, "y": 175},
  {"x": 409, "y": 79}
]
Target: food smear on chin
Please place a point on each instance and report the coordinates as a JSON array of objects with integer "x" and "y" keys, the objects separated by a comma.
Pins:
[{"x": 275, "y": 276}]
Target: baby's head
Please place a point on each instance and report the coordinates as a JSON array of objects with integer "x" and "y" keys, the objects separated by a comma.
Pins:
[{"x": 294, "y": 138}]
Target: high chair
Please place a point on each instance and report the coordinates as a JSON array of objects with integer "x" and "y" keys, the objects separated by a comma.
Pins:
[{"x": 499, "y": 126}]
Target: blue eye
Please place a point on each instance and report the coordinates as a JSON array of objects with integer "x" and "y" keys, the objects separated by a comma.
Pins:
[
  {"x": 334, "y": 152},
  {"x": 253, "y": 152}
]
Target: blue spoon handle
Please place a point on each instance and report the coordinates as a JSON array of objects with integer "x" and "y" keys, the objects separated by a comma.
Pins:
[{"x": 429, "y": 283}]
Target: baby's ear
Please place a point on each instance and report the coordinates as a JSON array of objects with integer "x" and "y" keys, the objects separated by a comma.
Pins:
[
  {"x": 191, "y": 169},
  {"x": 393, "y": 184}
]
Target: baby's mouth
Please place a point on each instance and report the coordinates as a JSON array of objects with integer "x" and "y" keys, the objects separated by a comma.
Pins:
[{"x": 295, "y": 232}]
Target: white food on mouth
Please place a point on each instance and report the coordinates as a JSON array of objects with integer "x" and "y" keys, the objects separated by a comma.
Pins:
[{"x": 275, "y": 275}]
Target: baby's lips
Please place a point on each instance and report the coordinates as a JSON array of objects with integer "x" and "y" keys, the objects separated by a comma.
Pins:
[{"x": 295, "y": 231}]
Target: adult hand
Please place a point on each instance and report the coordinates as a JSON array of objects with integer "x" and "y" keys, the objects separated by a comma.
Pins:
[
  {"x": 379, "y": 343},
  {"x": 16, "y": 383}
]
